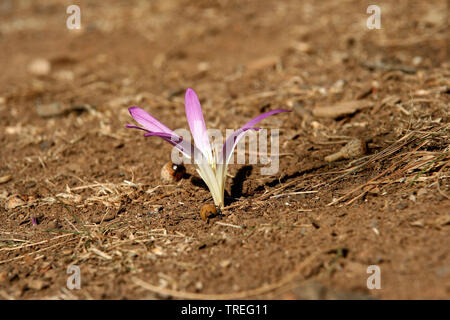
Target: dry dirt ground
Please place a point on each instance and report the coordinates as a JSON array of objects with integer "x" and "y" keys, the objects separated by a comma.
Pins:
[{"x": 93, "y": 187}]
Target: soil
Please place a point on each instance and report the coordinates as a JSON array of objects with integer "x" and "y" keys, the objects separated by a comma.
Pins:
[{"x": 78, "y": 188}]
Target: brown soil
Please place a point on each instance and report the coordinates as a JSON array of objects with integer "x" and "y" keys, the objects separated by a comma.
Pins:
[{"x": 95, "y": 188}]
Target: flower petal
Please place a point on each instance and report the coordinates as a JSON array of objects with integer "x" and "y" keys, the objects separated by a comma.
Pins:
[
  {"x": 132, "y": 126},
  {"x": 147, "y": 121},
  {"x": 254, "y": 121},
  {"x": 207, "y": 174},
  {"x": 233, "y": 139},
  {"x": 189, "y": 150},
  {"x": 196, "y": 122}
]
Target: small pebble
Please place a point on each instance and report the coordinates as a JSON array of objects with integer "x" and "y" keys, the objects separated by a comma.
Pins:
[
  {"x": 341, "y": 109},
  {"x": 39, "y": 67},
  {"x": 225, "y": 263},
  {"x": 14, "y": 202},
  {"x": 5, "y": 179},
  {"x": 198, "y": 286}
]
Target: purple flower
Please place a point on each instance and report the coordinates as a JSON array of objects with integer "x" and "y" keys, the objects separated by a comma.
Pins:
[{"x": 211, "y": 166}]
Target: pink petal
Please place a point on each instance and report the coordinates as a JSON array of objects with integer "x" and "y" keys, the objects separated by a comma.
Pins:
[
  {"x": 196, "y": 122},
  {"x": 254, "y": 121},
  {"x": 132, "y": 126},
  {"x": 185, "y": 147},
  {"x": 233, "y": 139},
  {"x": 147, "y": 121}
]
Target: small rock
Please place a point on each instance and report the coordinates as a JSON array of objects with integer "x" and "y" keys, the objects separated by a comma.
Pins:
[
  {"x": 341, "y": 109},
  {"x": 5, "y": 179},
  {"x": 303, "y": 47},
  {"x": 442, "y": 220},
  {"x": 412, "y": 198},
  {"x": 417, "y": 60},
  {"x": 316, "y": 125},
  {"x": 51, "y": 110},
  {"x": 58, "y": 109},
  {"x": 225, "y": 263},
  {"x": 263, "y": 63},
  {"x": 39, "y": 67},
  {"x": 119, "y": 145},
  {"x": 417, "y": 223},
  {"x": 14, "y": 202},
  {"x": 203, "y": 66},
  {"x": 198, "y": 286}
]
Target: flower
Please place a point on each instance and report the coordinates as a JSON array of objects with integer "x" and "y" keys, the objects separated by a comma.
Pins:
[{"x": 210, "y": 164}]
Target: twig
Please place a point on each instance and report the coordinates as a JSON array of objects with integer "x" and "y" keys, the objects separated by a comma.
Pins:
[
  {"x": 101, "y": 253},
  {"x": 228, "y": 296},
  {"x": 34, "y": 244},
  {"x": 229, "y": 225},
  {"x": 40, "y": 250},
  {"x": 293, "y": 193}
]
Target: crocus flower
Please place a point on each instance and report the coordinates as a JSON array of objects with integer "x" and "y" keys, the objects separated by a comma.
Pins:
[{"x": 210, "y": 164}]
